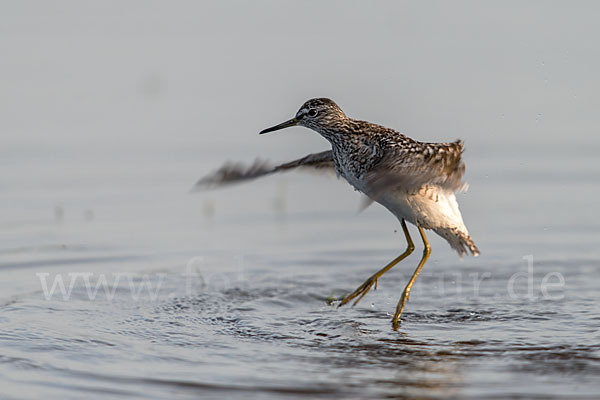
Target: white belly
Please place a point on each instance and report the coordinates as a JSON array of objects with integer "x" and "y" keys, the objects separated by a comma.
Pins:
[{"x": 430, "y": 207}]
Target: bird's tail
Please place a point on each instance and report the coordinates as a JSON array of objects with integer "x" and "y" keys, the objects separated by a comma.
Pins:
[{"x": 459, "y": 240}]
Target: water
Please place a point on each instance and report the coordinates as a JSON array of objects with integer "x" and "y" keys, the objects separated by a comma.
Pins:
[
  {"x": 232, "y": 299},
  {"x": 232, "y": 293}
]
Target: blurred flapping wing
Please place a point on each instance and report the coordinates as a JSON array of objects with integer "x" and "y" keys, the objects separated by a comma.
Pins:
[
  {"x": 410, "y": 168},
  {"x": 231, "y": 173}
]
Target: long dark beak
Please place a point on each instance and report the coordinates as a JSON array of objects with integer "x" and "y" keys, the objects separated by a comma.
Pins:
[{"x": 292, "y": 122}]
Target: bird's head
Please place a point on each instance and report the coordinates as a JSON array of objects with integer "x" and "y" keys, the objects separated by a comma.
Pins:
[{"x": 319, "y": 115}]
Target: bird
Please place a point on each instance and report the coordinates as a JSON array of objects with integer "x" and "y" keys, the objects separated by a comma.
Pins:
[{"x": 416, "y": 181}]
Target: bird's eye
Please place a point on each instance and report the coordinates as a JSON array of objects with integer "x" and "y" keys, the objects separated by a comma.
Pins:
[{"x": 312, "y": 112}]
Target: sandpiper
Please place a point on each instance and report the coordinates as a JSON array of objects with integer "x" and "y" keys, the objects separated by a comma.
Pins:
[{"x": 415, "y": 181}]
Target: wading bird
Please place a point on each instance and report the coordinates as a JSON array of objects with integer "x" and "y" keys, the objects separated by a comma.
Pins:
[{"x": 415, "y": 181}]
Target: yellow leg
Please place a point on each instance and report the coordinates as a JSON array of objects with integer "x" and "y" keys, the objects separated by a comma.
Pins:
[
  {"x": 406, "y": 292},
  {"x": 372, "y": 281}
]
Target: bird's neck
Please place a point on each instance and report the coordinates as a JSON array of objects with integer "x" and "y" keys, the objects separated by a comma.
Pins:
[
  {"x": 355, "y": 150},
  {"x": 340, "y": 133}
]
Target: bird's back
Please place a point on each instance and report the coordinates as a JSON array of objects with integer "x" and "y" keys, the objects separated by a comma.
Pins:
[{"x": 414, "y": 180}]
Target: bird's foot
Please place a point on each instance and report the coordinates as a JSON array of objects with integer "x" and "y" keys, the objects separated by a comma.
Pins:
[
  {"x": 361, "y": 291},
  {"x": 399, "y": 309}
]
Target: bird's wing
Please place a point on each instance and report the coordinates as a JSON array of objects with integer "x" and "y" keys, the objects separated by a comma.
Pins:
[
  {"x": 237, "y": 172},
  {"x": 415, "y": 164}
]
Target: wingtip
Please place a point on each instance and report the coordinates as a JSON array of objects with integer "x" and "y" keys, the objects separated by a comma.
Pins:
[
  {"x": 202, "y": 185},
  {"x": 364, "y": 204}
]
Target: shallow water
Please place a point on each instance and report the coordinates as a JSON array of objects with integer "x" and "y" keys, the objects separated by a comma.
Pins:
[
  {"x": 232, "y": 293},
  {"x": 206, "y": 295}
]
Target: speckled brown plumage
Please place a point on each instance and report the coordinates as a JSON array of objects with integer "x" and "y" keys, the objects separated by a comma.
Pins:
[
  {"x": 415, "y": 181},
  {"x": 380, "y": 162}
]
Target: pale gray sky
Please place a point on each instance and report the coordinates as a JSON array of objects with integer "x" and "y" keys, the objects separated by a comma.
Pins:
[{"x": 186, "y": 74}]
